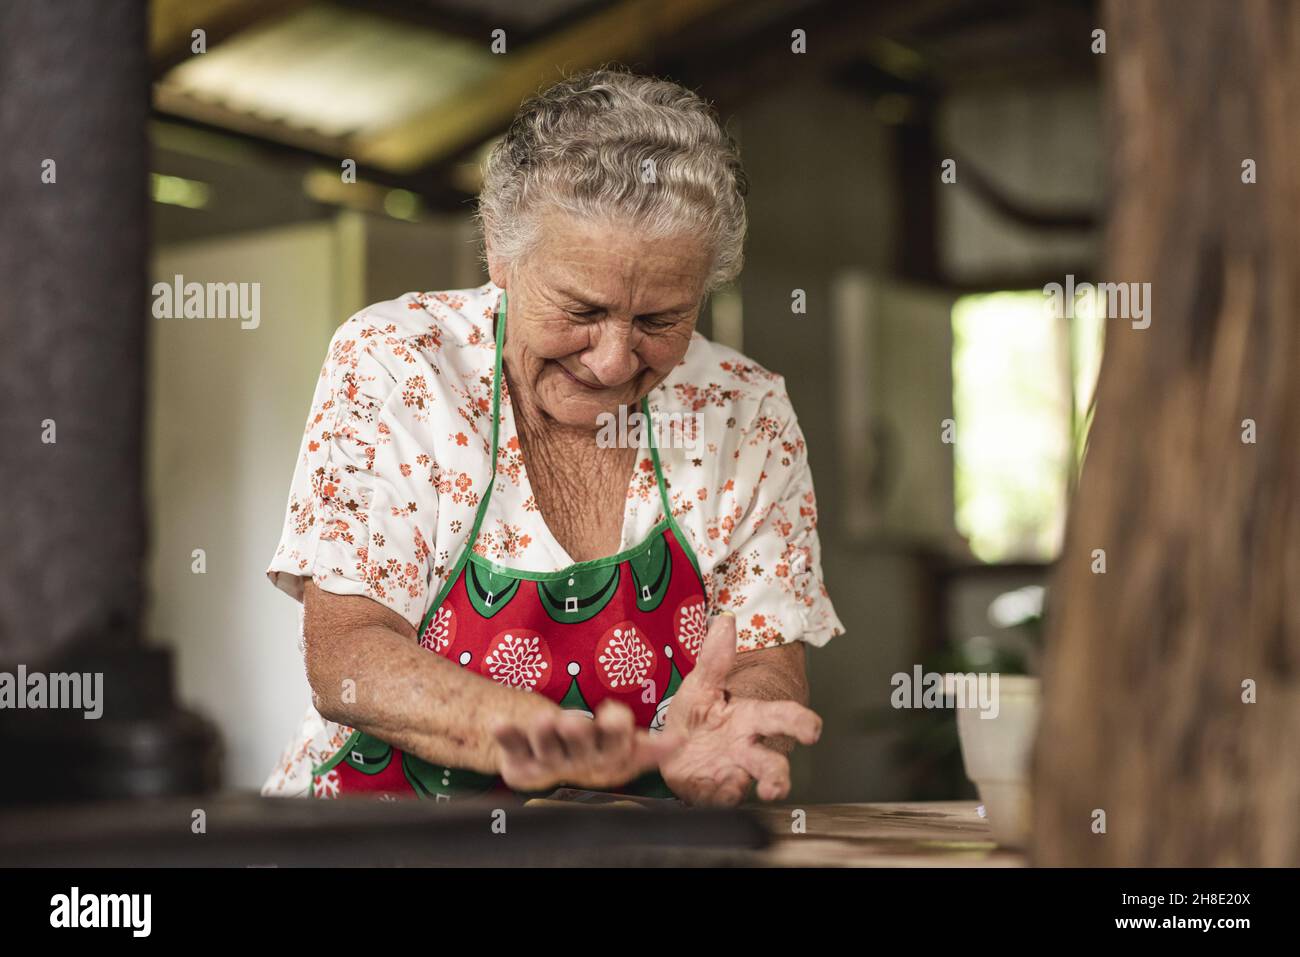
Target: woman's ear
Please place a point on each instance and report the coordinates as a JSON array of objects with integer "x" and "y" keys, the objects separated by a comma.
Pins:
[{"x": 497, "y": 270}]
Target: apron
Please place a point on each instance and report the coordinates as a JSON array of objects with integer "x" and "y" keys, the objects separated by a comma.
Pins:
[{"x": 627, "y": 627}]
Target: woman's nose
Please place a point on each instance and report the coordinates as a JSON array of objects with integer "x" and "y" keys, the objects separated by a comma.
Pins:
[{"x": 612, "y": 357}]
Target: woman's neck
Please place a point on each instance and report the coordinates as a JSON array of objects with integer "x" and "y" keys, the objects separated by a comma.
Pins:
[{"x": 580, "y": 488}]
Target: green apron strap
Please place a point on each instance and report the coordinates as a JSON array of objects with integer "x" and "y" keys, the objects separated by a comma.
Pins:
[
  {"x": 654, "y": 454},
  {"x": 496, "y": 428},
  {"x": 682, "y": 538},
  {"x": 481, "y": 513},
  {"x": 496, "y": 420}
]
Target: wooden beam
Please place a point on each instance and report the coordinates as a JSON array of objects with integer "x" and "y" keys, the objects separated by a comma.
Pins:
[
  {"x": 837, "y": 32},
  {"x": 176, "y": 103},
  {"x": 611, "y": 35},
  {"x": 475, "y": 24},
  {"x": 173, "y": 22},
  {"x": 1022, "y": 213},
  {"x": 212, "y": 142}
]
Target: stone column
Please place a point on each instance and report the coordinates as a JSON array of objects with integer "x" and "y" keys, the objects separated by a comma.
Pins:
[{"x": 74, "y": 107}]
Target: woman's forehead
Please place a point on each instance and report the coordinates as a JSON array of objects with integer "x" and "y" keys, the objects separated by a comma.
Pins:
[{"x": 609, "y": 267}]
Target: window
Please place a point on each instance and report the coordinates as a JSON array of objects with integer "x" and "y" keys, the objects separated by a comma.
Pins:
[{"x": 1023, "y": 381}]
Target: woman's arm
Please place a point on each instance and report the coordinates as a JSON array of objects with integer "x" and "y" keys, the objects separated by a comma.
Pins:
[
  {"x": 367, "y": 671},
  {"x": 772, "y": 674}
]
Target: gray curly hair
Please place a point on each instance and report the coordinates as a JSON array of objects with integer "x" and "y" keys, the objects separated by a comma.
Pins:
[{"x": 611, "y": 143}]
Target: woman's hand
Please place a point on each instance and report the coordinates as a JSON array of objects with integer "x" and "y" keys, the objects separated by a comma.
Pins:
[
  {"x": 554, "y": 747},
  {"x": 723, "y": 751}
]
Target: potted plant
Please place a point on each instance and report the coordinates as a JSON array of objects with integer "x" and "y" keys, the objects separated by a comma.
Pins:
[{"x": 996, "y": 731}]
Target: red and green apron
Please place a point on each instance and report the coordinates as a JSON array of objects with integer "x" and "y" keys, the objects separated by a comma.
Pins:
[{"x": 627, "y": 627}]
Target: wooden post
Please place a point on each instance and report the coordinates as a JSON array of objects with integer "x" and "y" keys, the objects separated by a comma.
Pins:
[{"x": 1191, "y": 488}]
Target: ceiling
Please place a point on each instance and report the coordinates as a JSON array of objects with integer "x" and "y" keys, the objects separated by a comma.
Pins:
[{"x": 412, "y": 90}]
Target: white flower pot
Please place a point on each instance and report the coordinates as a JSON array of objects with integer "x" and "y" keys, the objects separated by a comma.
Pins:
[{"x": 996, "y": 752}]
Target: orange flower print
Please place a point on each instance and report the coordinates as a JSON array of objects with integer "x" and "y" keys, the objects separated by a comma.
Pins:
[
  {"x": 505, "y": 541},
  {"x": 510, "y": 460},
  {"x": 416, "y": 395}
]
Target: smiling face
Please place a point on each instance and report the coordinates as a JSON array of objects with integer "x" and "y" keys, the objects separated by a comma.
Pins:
[{"x": 597, "y": 316}]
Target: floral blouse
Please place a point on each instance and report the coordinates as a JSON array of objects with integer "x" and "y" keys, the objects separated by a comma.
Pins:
[{"x": 396, "y": 455}]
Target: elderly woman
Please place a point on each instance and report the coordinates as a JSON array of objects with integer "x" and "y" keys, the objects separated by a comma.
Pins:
[{"x": 499, "y": 592}]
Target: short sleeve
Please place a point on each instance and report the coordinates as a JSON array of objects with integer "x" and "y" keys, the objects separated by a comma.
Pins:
[
  {"x": 771, "y": 577},
  {"x": 357, "y": 521}
]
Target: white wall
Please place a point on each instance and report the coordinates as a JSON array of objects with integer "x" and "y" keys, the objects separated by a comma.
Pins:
[{"x": 227, "y": 410}]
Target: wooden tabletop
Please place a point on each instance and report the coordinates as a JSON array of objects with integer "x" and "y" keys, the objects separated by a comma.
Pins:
[
  {"x": 249, "y": 831},
  {"x": 927, "y": 834}
]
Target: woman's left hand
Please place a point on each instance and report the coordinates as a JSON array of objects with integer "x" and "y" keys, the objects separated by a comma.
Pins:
[{"x": 723, "y": 752}]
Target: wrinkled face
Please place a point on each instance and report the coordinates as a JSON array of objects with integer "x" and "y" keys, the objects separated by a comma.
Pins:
[{"x": 597, "y": 316}]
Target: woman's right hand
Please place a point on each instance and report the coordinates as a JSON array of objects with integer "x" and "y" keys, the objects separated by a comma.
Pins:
[{"x": 553, "y": 747}]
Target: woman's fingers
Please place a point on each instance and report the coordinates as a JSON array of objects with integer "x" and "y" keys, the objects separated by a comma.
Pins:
[
  {"x": 732, "y": 791},
  {"x": 569, "y": 748},
  {"x": 769, "y": 768},
  {"x": 614, "y": 720},
  {"x": 518, "y": 765},
  {"x": 545, "y": 741},
  {"x": 614, "y": 725},
  {"x": 647, "y": 752},
  {"x": 773, "y": 718},
  {"x": 653, "y": 749},
  {"x": 577, "y": 734},
  {"x": 726, "y": 788},
  {"x": 512, "y": 741},
  {"x": 718, "y": 652}
]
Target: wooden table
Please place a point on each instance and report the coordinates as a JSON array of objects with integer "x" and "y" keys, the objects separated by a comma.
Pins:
[
  {"x": 930, "y": 834},
  {"x": 247, "y": 831}
]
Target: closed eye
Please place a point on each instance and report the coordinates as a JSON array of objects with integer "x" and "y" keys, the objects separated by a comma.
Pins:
[{"x": 657, "y": 323}]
